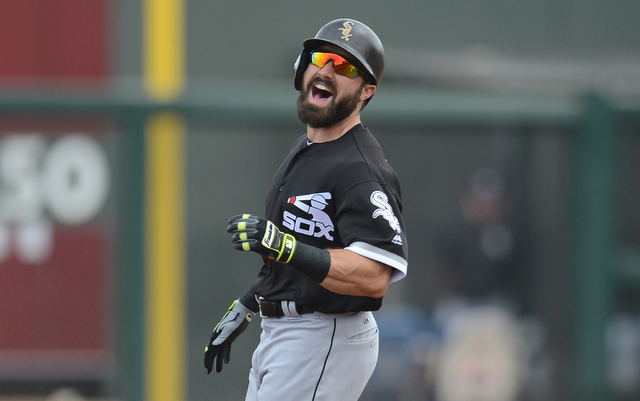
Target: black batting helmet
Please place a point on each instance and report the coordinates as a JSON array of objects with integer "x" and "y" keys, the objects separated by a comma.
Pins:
[{"x": 362, "y": 46}]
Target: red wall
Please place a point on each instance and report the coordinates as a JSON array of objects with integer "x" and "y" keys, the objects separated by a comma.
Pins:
[
  {"x": 61, "y": 305},
  {"x": 46, "y": 40}
]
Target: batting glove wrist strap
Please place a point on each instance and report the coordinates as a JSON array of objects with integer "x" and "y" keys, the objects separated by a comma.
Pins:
[
  {"x": 232, "y": 324},
  {"x": 312, "y": 261}
]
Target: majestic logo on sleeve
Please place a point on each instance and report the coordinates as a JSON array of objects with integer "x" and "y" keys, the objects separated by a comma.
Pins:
[
  {"x": 384, "y": 210},
  {"x": 319, "y": 225}
]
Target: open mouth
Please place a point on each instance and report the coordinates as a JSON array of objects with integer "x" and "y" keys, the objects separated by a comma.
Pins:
[{"x": 321, "y": 93}]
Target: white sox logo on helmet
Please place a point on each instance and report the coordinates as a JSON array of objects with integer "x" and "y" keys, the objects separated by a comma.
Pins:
[{"x": 346, "y": 31}]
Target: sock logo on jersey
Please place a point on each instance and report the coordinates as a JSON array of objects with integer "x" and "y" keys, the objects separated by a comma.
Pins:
[
  {"x": 380, "y": 199},
  {"x": 320, "y": 224}
]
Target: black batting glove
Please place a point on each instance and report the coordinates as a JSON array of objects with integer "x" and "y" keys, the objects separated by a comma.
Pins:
[
  {"x": 253, "y": 233},
  {"x": 232, "y": 324}
]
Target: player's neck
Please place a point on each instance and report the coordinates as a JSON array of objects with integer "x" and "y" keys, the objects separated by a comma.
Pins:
[{"x": 327, "y": 134}]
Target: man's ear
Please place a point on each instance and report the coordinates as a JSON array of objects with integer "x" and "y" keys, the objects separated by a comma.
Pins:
[{"x": 367, "y": 91}]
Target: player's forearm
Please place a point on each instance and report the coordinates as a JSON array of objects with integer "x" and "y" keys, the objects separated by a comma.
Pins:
[
  {"x": 353, "y": 274},
  {"x": 339, "y": 270}
]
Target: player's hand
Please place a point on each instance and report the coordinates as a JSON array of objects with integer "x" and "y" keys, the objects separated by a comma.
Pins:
[
  {"x": 253, "y": 233},
  {"x": 233, "y": 323}
]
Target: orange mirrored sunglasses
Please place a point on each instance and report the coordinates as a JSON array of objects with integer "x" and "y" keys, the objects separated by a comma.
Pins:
[{"x": 340, "y": 64}]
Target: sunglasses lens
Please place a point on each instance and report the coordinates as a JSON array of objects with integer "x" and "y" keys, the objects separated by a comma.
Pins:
[
  {"x": 340, "y": 65},
  {"x": 346, "y": 69}
]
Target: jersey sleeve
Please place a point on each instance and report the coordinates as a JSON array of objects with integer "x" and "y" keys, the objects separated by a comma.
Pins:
[{"x": 370, "y": 224}]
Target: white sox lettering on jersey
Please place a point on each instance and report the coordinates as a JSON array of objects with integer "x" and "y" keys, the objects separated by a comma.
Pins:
[{"x": 320, "y": 224}]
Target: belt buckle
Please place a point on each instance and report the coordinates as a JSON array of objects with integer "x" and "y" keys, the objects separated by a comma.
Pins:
[{"x": 267, "y": 308}]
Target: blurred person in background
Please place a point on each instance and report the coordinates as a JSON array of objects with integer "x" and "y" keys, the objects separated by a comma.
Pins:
[{"x": 478, "y": 259}]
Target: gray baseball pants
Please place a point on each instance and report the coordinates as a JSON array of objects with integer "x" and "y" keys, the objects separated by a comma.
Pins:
[{"x": 314, "y": 357}]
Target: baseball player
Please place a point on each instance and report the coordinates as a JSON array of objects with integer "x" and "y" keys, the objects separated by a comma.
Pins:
[{"x": 332, "y": 237}]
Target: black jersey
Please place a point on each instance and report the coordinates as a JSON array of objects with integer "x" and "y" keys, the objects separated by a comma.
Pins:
[{"x": 338, "y": 194}]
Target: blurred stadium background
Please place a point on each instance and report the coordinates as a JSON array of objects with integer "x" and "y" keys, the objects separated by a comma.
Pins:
[{"x": 130, "y": 131}]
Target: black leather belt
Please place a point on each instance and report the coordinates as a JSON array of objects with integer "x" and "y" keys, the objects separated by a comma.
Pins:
[{"x": 274, "y": 309}]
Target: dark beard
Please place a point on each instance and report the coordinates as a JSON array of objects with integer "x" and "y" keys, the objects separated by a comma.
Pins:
[{"x": 317, "y": 117}]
